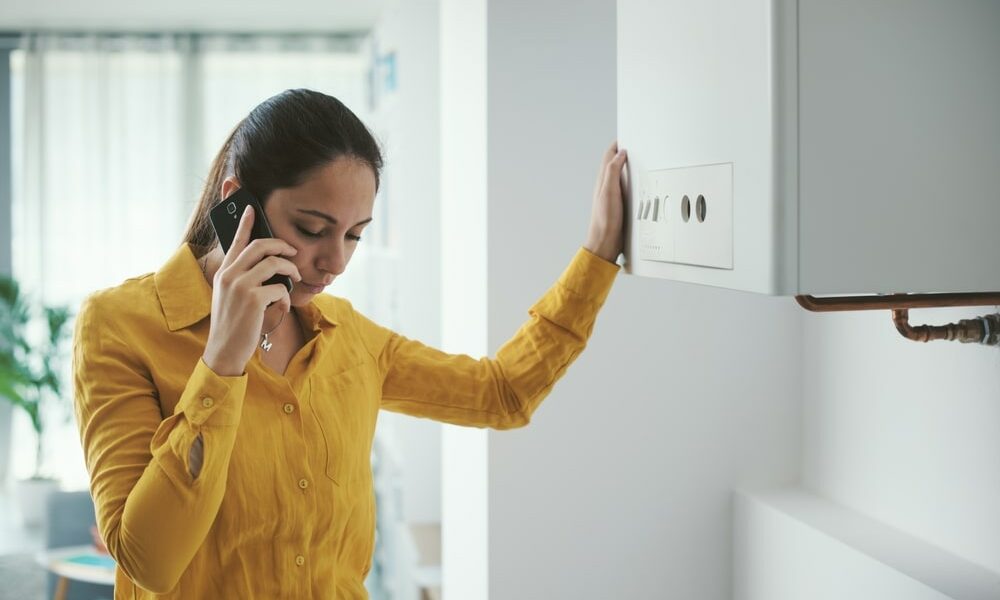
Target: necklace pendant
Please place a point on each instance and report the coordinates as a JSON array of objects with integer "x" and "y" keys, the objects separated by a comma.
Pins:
[{"x": 265, "y": 343}]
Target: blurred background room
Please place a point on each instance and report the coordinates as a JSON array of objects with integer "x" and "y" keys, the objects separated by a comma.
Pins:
[{"x": 712, "y": 443}]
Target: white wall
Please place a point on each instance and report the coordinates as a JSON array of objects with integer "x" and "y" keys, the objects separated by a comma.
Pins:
[
  {"x": 409, "y": 118},
  {"x": 906, "y": 433},
  {"x": 464, "y": 471},
  {"x": 901, "y": 455},
  {"x": 621, "y": 487}
]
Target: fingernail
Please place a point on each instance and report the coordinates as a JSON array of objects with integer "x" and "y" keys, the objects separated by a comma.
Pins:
[{"x": 246, "y": 210}]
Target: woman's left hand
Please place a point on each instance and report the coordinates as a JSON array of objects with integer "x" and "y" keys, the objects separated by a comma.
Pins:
[{"x": 606, "y": 235}]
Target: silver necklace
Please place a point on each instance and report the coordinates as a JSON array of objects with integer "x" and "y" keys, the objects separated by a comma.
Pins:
[{"x": 264, "y": 342}]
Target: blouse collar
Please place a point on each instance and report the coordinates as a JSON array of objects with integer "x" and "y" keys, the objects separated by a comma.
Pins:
[{"x": 186, "y": 297}]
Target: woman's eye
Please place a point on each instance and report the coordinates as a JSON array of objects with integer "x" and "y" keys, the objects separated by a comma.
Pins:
[{"x": 308, "y": 233}]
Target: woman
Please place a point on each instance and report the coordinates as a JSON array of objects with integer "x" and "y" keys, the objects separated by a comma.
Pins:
[{"x": 224, "y": 469}]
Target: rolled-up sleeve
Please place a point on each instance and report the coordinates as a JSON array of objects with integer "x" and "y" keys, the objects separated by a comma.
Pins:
[
  {"x": 501, "y": 392},
  {"x": 152, "y": 514}
]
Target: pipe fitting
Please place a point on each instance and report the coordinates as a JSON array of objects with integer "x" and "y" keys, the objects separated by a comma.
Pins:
[{"x": 980, "y": 330}]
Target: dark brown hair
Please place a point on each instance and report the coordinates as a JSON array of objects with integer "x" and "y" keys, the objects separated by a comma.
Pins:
[{"x": 278, "y": 145}]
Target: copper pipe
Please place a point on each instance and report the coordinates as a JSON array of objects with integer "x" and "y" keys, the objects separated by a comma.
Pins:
[
  {"x": 981, "y": 330},
  {"x": 897, "y": 301}
]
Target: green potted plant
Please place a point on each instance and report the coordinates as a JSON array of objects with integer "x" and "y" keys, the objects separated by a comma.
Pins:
[{"x": 29, "y": 379}]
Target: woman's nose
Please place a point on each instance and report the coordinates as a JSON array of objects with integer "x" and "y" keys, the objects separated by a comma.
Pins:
[{"x": 334, "y": 260}]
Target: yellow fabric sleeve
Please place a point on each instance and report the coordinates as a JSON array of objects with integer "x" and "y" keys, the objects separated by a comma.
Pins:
[
  {"x": 503, "y": 392},
  {"x": 151, "y": 513}
]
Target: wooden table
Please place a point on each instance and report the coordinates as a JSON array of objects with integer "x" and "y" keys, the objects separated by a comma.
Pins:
[{"x": 77, "y": 563}]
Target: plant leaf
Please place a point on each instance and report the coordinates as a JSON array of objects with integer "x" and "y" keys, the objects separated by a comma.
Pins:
[
  {"x": 10, "y": 291},
  {"x": 57, "y": 316}
]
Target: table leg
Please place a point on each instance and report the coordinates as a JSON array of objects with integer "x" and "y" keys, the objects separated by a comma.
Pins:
[{"x": 61, "y": 589}]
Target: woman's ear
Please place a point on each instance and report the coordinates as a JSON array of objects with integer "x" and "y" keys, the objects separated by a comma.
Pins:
[{"x": 229, "y": 185}]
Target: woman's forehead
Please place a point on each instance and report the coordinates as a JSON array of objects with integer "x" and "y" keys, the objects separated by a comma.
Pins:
[{"x": 342, "y": 190}]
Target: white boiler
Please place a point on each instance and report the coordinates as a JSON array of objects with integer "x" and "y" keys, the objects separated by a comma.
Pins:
[{"x": 812, "y": 146}]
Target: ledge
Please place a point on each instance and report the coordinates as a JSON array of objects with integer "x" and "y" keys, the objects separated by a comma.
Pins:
[{"x": 790, "y": 543}]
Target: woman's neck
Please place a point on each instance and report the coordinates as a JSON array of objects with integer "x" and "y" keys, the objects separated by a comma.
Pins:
[{"x": 210, "y": 263}]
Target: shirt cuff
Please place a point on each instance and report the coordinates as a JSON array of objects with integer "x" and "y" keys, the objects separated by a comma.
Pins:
[
  {"x": 589, "y": 276},
  {"x": 208, "y": 394}
]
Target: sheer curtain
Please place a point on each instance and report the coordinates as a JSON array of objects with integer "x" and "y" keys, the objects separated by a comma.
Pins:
[
  {"x": 112, "y": 140},
  {"x": 97, "y": 160}
]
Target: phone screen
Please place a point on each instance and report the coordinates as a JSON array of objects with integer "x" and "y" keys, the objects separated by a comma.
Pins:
[{"x": 225, "y": 217}]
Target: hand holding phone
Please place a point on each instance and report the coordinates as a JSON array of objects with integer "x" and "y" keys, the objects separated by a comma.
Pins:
[
  {"x": 250, "y": 279},
  {"x": 225, "y": 218}
]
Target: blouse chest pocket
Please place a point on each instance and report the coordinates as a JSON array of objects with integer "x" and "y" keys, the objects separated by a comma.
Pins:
[{"x": 345, "y": 406}]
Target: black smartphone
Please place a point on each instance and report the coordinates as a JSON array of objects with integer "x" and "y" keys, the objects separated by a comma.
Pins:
[{"x": 226, "y": 216}]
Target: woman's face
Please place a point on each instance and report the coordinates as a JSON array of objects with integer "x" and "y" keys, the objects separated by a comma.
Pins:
[{"x": 324, "y": 218}]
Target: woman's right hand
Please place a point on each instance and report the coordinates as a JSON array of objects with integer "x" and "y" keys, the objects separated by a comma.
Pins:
[{"x": 239, "y": 299}]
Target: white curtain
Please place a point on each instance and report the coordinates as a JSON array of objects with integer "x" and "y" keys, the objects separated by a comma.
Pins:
[
  {"x": 96, "y": 158},
  {"x": 113, "y": 136}
]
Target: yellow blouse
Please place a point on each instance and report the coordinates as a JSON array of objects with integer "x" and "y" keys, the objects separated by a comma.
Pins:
[{"x": 283, "y": 506}]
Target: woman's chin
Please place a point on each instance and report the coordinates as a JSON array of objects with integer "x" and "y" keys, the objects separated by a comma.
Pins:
[{"x": 300, "y": 297}]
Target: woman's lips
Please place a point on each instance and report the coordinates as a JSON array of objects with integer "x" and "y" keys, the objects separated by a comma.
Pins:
[{"x": 312, "y": 289}]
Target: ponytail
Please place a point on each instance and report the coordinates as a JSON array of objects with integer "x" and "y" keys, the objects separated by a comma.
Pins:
[{"x": 200, "y": 233}]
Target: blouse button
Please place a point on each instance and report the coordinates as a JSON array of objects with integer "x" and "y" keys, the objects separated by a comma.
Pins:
[
  {"x": 300, "y": 560},
  {"x": 289, "y": 408},
  {"x": 207, "y": 402},
  {"x": 303, "y": 483}
]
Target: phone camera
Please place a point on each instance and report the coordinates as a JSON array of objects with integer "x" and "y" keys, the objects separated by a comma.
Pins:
[{"x": 231, "y": 207}]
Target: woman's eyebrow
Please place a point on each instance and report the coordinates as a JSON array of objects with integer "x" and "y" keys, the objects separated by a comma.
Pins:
[{"x": 328, "y": 218}]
